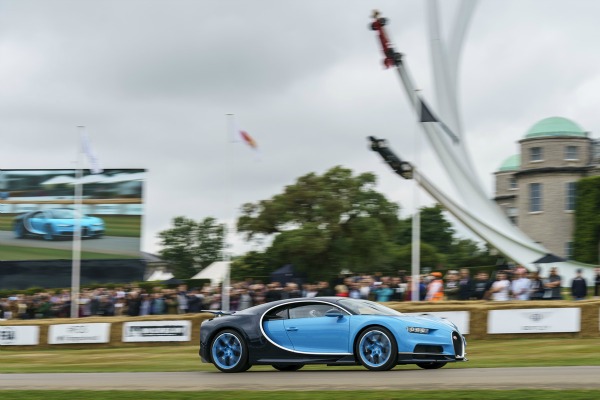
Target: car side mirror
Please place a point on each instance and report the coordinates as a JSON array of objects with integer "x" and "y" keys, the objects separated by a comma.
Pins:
[{"x": 334, "y": 313}]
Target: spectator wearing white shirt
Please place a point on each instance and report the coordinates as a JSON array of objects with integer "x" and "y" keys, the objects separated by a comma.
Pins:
[{"x": 521, "y": 285}]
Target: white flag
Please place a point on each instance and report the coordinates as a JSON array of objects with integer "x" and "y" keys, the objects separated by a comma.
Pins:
[{"x": 95, "y": 167}]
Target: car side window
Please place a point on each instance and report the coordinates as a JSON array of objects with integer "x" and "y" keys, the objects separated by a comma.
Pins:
[
  {"x": 314, "y": 310},
  {"x": 277, "y": 313}
]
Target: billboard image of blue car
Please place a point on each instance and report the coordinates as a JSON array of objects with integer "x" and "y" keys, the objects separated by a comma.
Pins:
[{"x": 55, "y": 224}]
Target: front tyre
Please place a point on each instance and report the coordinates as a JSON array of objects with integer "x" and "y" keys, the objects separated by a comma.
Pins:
[
  {"x": 431, "y": 365},
  {"x": 229, "y": 352},
  {"x": 376, "y": 349},
  {"x": 287, "y": 367}
]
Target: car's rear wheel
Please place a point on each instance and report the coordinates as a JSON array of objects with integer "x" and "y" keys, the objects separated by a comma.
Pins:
[
  {"x": 229, "y": 352},
  {"x": 376, "y": 349},
  {"x": 431, "y": 365},
  {"x": 287, "y": 367}
]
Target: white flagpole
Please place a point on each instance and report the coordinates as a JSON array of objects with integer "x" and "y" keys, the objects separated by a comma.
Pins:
[
  {"x": 76, "y": 264},
  {"x": 416, "y": 230}
]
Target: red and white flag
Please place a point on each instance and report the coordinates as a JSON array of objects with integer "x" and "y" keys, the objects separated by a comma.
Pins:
[{"x": 236, "y": 133}]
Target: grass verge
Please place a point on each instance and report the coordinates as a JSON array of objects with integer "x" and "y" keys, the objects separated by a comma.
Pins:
[
  {"x": 41, "y": 253},
  {"x": 481, "y": 354}
]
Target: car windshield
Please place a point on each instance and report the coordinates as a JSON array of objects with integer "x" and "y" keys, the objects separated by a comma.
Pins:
[
  {"x": 63, "y": 213},
  {"x": 364, "y": 307}
]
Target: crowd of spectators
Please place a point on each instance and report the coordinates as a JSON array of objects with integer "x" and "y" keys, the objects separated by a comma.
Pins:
[{"x": 512, "y": 284}]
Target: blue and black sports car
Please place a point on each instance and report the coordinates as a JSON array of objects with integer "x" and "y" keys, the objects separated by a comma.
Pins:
[
  {"x": 288, "y": 334},
  {"x": 56, "y": 223}
]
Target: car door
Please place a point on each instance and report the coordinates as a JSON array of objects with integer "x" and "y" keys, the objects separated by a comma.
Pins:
[
  {"x": 274, "y": 328},
  {"x": 310, "y": 330}
]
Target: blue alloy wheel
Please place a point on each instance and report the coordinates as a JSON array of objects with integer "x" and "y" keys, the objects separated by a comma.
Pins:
[
  {"x": 376, "y": 349},
  {"x": 229, "y": 352}
]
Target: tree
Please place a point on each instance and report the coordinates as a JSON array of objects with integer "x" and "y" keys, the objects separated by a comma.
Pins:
[
  {"x": 586, "y": 236},
  {"x": 322, "y": 224},
  {"x": 190, "y": 246}
]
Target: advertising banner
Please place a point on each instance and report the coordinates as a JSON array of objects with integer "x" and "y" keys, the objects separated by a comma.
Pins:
[
  {"x": 461, "y": 319},
  {"x": 19, "y": 335},
  {"x": 79, "y": 333},
  {"x": 157, "y": 331},
  {"x": 534, "y": 320}
]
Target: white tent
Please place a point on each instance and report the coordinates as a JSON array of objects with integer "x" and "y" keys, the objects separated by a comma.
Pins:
[
  {"x": 216, "y": 272},
  {"x": 160, "y": 275}
]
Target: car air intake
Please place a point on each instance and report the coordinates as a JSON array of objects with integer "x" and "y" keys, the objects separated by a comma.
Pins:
[{"x": 457, "y": 341}]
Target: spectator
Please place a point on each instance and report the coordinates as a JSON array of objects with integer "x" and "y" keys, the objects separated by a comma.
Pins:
[
  {"x": 500, "y": 288},
  {"x": 465, "y": 285},
  {"x": 536, "y": 286},
  {"x": 182, "y": 299},
  {"x": 341, "y": 290},
  {"x": 597, "y": 282},
  {"x": 451, "y": 287},
  {"x": 520, "y": 286},
  {"x": 579, "y": 286},
  {"x": 383, "y": 293},
  {"x": 553, "y": 286},
  {"x": 435, "y": 288},
  {"x": 481, "y": 286}
]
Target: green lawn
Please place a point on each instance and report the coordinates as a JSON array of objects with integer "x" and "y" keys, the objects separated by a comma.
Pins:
[{"x": 40, "y": 253}]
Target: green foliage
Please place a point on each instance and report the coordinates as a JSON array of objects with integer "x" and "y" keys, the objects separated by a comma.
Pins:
[
  {"x": 325, "y": 223},
  {"x": 190, "y": 246},
  {"x": 587, "y": 220},
  {"x": 429, "y": 257}
]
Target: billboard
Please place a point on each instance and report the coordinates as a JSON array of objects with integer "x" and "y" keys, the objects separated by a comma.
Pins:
[{"x": 38, "y": 216}]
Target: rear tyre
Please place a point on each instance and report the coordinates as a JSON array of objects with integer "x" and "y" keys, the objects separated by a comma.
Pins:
[
  {"x": 229, "y": 352},
  {"x": 431, "y": 365},
  {"x": 376, "y": 349},
  {"x": 287, "y": 367}
]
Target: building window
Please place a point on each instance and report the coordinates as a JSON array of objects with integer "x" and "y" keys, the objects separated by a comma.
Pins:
[
  {"x": 535, "y": 197},
  {"x": 570, "y": 196},
  {"x": 512, "y": 183},
  {"x": 571, "y": 153},
  {"x": 513, "y": 214},
  {"x": 569, "y": 250},
  {"x": 536, "y": 154}
]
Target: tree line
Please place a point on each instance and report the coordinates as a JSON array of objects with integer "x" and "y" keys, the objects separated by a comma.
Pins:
[{"x": 323, "y": 224}]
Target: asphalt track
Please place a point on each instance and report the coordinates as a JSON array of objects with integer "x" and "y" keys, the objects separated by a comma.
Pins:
[
  {"x": 464, "y": 378},
  {"x": 107, "y": 244}
]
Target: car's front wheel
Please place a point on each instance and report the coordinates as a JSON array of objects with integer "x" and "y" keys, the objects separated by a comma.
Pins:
[
  {"x": 287, "y": 367},
  {"x": 431, "y": 365},
  {"x": 229, "y": 352},
  {"x": 376, "y": 349}
]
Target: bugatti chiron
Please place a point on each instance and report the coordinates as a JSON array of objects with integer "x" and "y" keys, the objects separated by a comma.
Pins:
[
  {"x": 288, "y": 334},
  {"x": 56, "y": 223}
]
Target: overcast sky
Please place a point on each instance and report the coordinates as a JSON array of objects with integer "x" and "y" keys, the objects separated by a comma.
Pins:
[{"x": 152, "y": 81}]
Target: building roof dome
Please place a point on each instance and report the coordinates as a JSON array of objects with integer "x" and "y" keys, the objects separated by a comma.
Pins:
[
  {"x": 512, "y": 163},
  {"x": 555, "y": 126}
]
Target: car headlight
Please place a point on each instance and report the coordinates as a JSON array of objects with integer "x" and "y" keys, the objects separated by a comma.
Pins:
[
  {"x": 416, "y": 329},
  {"x": 64, "y": 225}
]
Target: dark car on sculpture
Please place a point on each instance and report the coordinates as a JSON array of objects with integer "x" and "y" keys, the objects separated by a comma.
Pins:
[
  {"x": 288, "y": 334},
  {"x": 56, "y": 223}
]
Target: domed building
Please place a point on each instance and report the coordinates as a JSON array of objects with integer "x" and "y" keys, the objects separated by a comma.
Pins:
[{"x": 536, "y": 188}]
